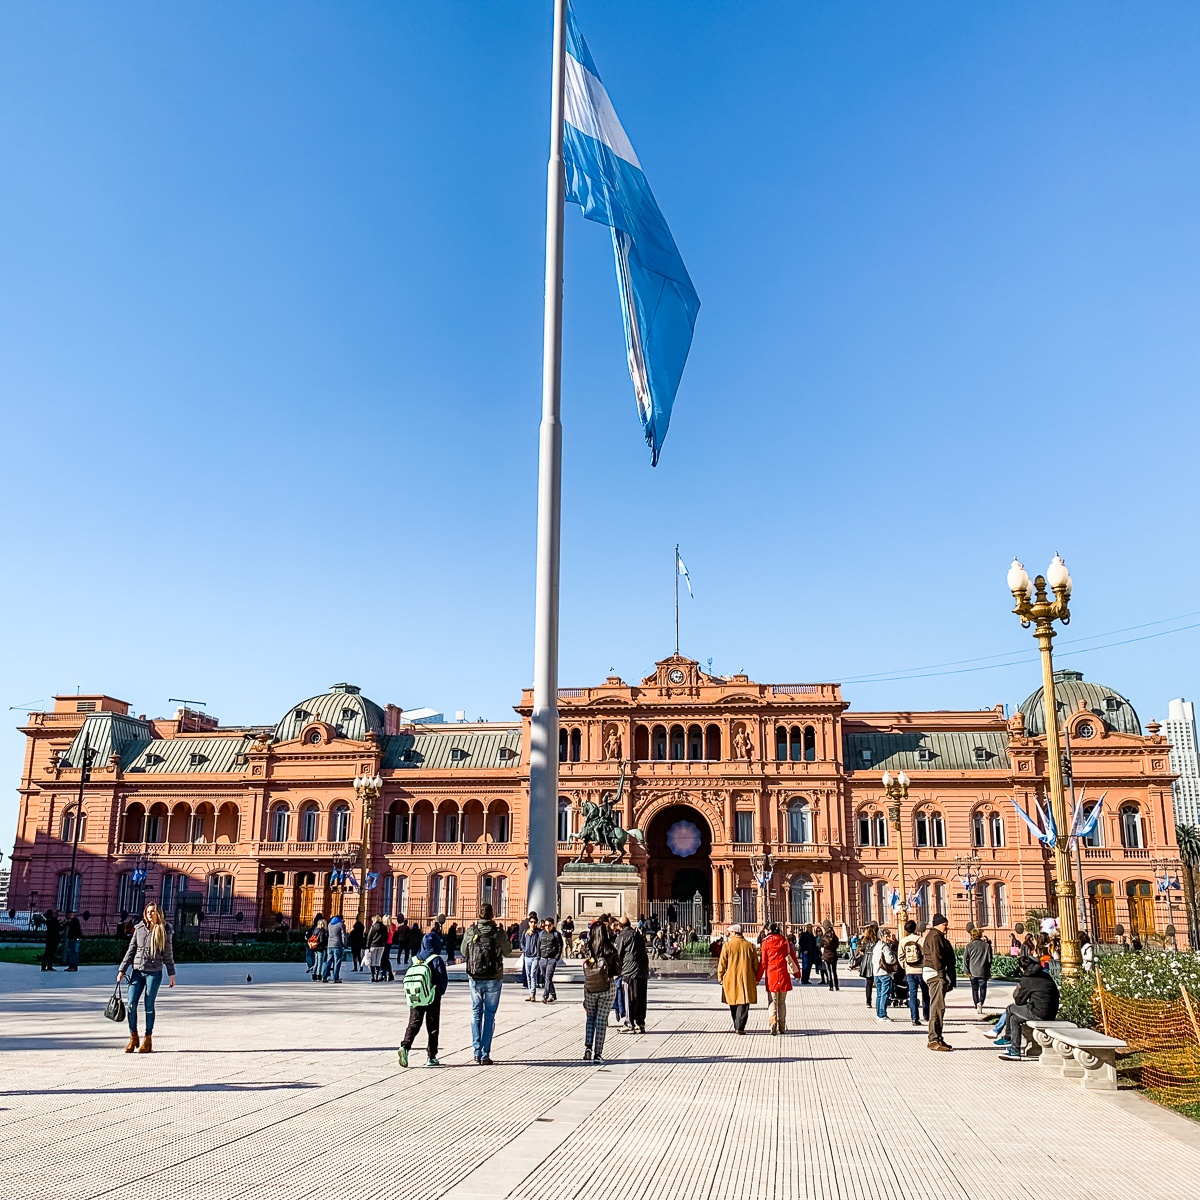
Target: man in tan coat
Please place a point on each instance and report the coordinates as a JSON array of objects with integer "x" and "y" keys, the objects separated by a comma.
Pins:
[{"x": 737, "y": 969}]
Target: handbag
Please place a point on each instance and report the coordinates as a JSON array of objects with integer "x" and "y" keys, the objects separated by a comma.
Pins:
[{"x": 114, "y": 1010}]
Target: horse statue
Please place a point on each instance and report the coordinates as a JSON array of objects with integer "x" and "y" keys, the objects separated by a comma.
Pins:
[{"x": 602, "y": 827}]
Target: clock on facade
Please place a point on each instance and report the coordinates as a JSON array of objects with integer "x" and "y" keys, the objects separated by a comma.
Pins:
[{"x": 675, "y": 675}]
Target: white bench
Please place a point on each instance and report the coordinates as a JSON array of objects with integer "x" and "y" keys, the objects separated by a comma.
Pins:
[
  {"x": 1041, "y": 1043},
  {"x": 1077, "y": 1053}
]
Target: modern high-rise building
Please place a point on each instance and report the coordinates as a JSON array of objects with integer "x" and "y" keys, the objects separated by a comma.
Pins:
[{"x": 1180, "y": 730}]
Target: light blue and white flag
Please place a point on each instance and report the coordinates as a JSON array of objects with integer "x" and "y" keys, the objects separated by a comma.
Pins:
[
  {"x": 895, "y": 900},
  {"x": 684, "y": 572},
  {"x": 1083, "y": 823},
  {"x": 604, "y": 177},
  {"x": 1046, "y": 838}
]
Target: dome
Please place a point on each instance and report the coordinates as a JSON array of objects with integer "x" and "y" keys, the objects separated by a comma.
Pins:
[
  {"x": 1069, "y": 689},
  {"x": 343, "y": 706}
]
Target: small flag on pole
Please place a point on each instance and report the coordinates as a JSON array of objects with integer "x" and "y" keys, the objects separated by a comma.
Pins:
[
  {"x": 684, "y": 572},
  {"x": 603, "y": 176}
]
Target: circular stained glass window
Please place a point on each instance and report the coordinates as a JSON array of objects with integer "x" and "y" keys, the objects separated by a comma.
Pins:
[
  {"x": 683, "y": 839},
  {"x": 1085, "y": 729}
]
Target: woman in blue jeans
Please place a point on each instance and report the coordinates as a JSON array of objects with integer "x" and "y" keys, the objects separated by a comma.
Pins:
[{"x": 148, "y": 953}]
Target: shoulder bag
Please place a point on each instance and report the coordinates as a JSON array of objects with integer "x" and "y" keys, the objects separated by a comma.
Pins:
[{"x": 114, "y": 1010}]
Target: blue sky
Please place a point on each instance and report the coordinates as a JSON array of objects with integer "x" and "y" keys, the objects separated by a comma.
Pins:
[{"x": 270, "y": 332}]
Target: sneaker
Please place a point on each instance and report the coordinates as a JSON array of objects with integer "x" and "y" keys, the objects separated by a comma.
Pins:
[
  {"x": 598, "y": 1059},
  {"x": 432, "y": 1062},
  {"x": 402, "y": 1055},
  {"x": 1001, "y": 1041},
  {"x": 885, "y": 1019},
  {"x": 486, "y": 1061},
  {"x": 587, "y": 1054},
  {"x": 916, "y": 1023},
  {"x": 979, "y": 1009},
  {"x": 1009, "y": 1056},
  {"x": 939, "y": 1046}
]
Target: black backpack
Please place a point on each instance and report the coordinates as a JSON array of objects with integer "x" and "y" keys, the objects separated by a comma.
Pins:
[{"x": 483, "y": 954}]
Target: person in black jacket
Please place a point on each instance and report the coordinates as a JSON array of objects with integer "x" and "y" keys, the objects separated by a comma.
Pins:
[
  {"x": 549, "y": 954},
  {"x": 1034, "y": 998},
  {"x": 53, "y": 932},
  {"x": 635, "y": 974},
  {"x": 806, "y": 943}
]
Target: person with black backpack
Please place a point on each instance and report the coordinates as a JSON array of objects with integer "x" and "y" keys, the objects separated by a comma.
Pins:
[
  {"x": 912, "y": 959},
  {"x": 424, "y": 985},
  {"x": 483, "y": 950},
  {"x": 601, "y": 973}
]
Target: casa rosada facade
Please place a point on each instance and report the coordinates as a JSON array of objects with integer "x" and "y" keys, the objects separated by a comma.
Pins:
[{"x": 232, "y": 827}]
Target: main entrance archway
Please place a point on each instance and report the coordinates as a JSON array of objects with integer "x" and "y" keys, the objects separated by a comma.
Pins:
[{"x": 679, "y": 849}]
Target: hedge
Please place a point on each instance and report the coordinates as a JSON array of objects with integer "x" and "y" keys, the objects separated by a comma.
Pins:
[{"x": 107, "y": 951}]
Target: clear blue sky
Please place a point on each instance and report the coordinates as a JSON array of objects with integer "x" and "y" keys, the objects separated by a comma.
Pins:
[{"x": 270, "y": 331}]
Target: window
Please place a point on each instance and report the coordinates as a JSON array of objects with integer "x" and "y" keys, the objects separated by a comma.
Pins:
[
  {"x": 154, "y": 825},
  {"x": 939, "y": 897},
  {"x": 166, "y": 894},
  {"x": 745, "y": 905},
  {"x": 810, "y": 744},
  {"x": 920, "y": 904},
  {"x": 458, "y": 754},
  {"x": 68, "y": 826},
  {"x": 1085, "y": 729},
  {"x": 797, "y": 747},
  {"x": 641, "y": 743},
  {"x": 981, "y": 754},
  {"x": 922, "y": 830},
  {"x": 864, "y": 829},
  {"x": 937, "y": 827},
  {"x": 695, "y": 742},
  {"x": 450, "y": 826},
  {"x": 501, "y": 820},
  {"x": 799, "y": 822},
  {"x": 443, "y": 895},
  {"x": 494, "y": 891},
  {"x": 865, "y": 897},
  {"x": 677, "y": 741},
  {"x": 743, "y": 827},
  {"x": 220, "y": 894},
  {"x": 866, "y": 755},
  {"x": 1111, "y": 704},
  {"x": 781, "y": 744},
  {"x": 1096, "y": 837},
  {"x": 1102, "y": 902},
  {"x": 977, "y": 827},
  {"x": 881, "y": 834},
  {"x": 564, "y": 819},
  {"x": 659, "y": 739},
  {"x": 562, "y": 745},
  {"x": 999, "y": 904},
  {"x": 197, "y": 759},
  {"x": 401, "y": 895},
  {"x": 339, "y": 823},
  {"x": 67, "y": 895},
  {"x": 308, "y": 823},
  {"x": 883, "y": 899},
  {"x": 389, "y": 895},
  {"x": 507, "y": 753},
  {"x": 314, "y": 738},
  {"x": 348, "y": 714},
  {"x": 576, "y": 745},
  {"x": 996, "y": 830},
  {"x": 712, "y": 743},
  {"x": 280, "y": 820},
  {"x": 1131, "y": 828},
  {"x": 800, "y": 900},
  {"x": 924, "y": 754}
]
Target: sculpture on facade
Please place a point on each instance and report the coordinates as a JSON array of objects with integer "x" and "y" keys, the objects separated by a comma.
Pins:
[
  {"x": 612, "y": 745},
  {"x": 602, "y": 825},
  {"x": 743, "y": 746}
]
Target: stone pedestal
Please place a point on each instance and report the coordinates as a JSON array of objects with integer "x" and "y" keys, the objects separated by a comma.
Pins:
[{"x": 588, "y": 889}]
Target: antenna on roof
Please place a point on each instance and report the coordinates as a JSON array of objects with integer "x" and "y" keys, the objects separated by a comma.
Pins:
[{"x": 175, "y": 700}]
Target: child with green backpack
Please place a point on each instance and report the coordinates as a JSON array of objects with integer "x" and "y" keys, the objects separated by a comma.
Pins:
[{"x": 424, "y": 984}]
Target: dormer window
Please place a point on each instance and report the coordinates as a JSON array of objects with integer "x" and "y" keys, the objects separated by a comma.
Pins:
[
  {"x": 348, "y": 714},
  {"x": 1111, "y": 703},
  {"x": 457, "y": 754},
  {"x": 924, "y": 754},
  {"x": 197, "y": 759},
  {"x": 300, "y": 715},
  {"x": 866, "y": 754},
  {"x": 406, "y": 756},
  {"x": 507, "y": 752},
  {"x": 153, "y": 760},
  {"x": 981, "y": 754}
]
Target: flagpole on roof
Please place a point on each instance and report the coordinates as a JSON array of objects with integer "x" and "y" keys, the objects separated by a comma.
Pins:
[
  {"x": 676, "y": 599},
  {"x": 541, "y": 887}
]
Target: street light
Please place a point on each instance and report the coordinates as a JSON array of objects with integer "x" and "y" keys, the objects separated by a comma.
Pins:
[
  {"x": 762, "y": 866},
  {"x": 1166, "y": 878},
  {"x": 367, "y": 788},
  {"x": 968, "y": 875},
  {"x": 896, "y": 787},
  {"x": 1035, "y": 608}
]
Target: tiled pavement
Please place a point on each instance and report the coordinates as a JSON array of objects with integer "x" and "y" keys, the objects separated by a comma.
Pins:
[{"x": 281, "y": 1089}]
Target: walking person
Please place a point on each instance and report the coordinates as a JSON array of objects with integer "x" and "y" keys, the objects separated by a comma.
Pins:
[
  {"x": 529, "y": 955},
  {"x": 453, "y": 941},
  {"x": 149, "y": 951},
  {"x": 737, "y": 970},
  {"x": 311, "y": 939},
  {"x": 977, "y": 962},
  {"x": 912, "y": 957},
  {"x": 53, "y": 933},
  {"x": 567, "y": 929},
  {"x": 74, "y": 938},
  {"x": 358, "y": 942},
  {"x": 550, "y": 952},
  {"x": 830, "y": 945},
  {"x": 601, "y": 971},
  {"x": 635, "y": 974},
  {"x": 777, "y": 954},
  {"x": 335, "y": 950},
  {"x": 483, "y": 951},
  {"x": 400, "y": 942},
  {"x": 385, "y": 962},
  {"x": 376, "y": 941},
  {"x": 938, "y": 971},
  {"x": 884, "y": 964},
  {"x": 864, "y": 958},
  {"x": 806, "y": 943},
  {"x": 424, "y": 985},
  {"x": 321, "y": 934}
]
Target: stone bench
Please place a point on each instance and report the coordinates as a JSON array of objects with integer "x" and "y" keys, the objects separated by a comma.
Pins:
[{"x": 1077, "y": 1053}]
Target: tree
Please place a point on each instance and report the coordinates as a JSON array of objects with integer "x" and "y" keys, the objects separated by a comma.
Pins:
[{"x": 1188, "y": 837}]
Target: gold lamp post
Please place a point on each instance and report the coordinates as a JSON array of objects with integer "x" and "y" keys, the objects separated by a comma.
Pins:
[
  {"x": 1035, "y": 608},
  {"x": 896, "y": 787},
  {"x": 367, "y": 788}
]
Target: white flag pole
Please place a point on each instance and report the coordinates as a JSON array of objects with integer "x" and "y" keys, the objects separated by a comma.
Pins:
[{"x": 542, "y": 885}]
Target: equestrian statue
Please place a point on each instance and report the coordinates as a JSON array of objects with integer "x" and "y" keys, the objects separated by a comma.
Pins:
[{"x": 602, "y": 826}]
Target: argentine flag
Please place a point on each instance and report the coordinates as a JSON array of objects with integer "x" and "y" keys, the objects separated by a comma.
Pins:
[{"x": 604, "y": 177}]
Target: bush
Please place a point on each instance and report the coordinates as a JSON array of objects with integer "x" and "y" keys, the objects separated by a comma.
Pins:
[
  {"x": 108, "y": 951},
  {"x": 1151, "y": 976},
  {"x": 1075, "y": 1000}
]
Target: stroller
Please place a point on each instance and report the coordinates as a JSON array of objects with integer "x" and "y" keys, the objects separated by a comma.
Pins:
[{"x": 898, "y": 997}]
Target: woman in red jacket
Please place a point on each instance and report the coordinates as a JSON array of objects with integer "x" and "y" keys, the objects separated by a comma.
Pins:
[{"x": 776, "y": 953}]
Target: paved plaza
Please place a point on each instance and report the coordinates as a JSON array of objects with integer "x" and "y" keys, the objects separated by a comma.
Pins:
[{"x": 282, "y": 1088}]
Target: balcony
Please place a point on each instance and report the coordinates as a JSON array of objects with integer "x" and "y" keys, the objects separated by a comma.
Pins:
[
  {"x": 1115, "y": 852},
  {"x": 182, "y": 849},
  {"x": 444, "y": 849}
]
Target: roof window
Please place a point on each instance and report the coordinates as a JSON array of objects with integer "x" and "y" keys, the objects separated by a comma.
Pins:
[
  {"x": 866, "y": 754},
  {"x": 507, "y": 752},
  {"x": 457, "y": 754},
  {"x": 924, "y": 754},
  {"x": 348, "y": 714},
  {"x": 1111, "y": 703},
  {"x": 981, "y": 754},
  {"x": 301, "y": 715},
  {"x": 152, "y": 760},
  {"x": 196, "y": 758}
]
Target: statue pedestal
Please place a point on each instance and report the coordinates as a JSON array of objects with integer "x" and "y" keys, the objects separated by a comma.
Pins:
[{"x": 588, "y": 889}]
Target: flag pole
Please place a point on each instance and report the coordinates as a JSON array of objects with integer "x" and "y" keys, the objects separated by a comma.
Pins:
[
  {"x": 541, "y": 887},
  {"x": 676, "y": 599}
]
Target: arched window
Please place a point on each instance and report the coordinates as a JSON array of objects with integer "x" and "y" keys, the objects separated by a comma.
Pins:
[
  {"x": 883, "y": 899},
  {"x": 939, "y": 897},
  {"x": 576, "y": 744},
  {"x": 695, "y": 742},
  {"x": 156, "y": 823},
  {"x": 309, "y": 816},
  {"x": 920, "y": 904},
  {"x": 135, "y": 825},
  {"x": 389, "y": 895},
  {"x": 937, "y": 829},
  {"x": 881, "y": 830},
  {"x": 641, "y": 743},
  {"x": 866, "y": 896},
  {"x": 562, "y": 745},
  {"x": 810, "y": 744},
  {"x": 1140, "y": 896},
  {"x": 339, "y": 822},
  {"x": 996, "y": 830},
  {"x": 712, "y": 743},
  {"x": 799, "y": 822},
  {"x": 1132, "y": 832},
  {"x": 999, "y": 904},
  {"x": 800, "y": 900},
  {"x": 443, "y": 895},
  {"x": 1096, "y": 837},
  {"x": 797, "y": 744},
  {"x": 493, "y": 890},
  {"x": 977, "y": 829},
  {"x": 281, "y": 819},
  {"x": 275, "y": 882},
  {"x": 398, "y": 822},
  {"x": 1103, "y": 905},
  {"x": 781, "y": 743},
  {"x": 68, "y": 826},
  {"x": 659, "y": 739},
  {"x": 677, "y": 741},
  {"x": 131, "y": 895},
  {"x": 67, "y": 893},
  {"x": 500, "y": 822},
  {"x": 401, "y": 895},
  {"x": 564, "y": 819},
  {"x": 921, "y": 830},
  {"x": 450, "y": 823},
  {"x": 220, "y": 893},
  {"x": 980, "y": 901},
  {"x": 864, "y": 829}
]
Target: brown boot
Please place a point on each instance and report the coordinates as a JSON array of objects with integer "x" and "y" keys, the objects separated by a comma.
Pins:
[
  {"x": 132, "y": 1044},
  {"x": 146, "y": 1046}
]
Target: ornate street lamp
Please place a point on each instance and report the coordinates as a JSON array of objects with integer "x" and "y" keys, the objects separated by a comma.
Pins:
[
  {"x": 762, "y": 866},
  {"x": 968, "y": 875},
  {"x": 896, "y": 787},
  {"x": 1035, "y": 608},
  {"x": 367, "y": 788}
]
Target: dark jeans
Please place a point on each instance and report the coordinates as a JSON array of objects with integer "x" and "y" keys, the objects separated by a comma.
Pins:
[
  {"x": 545, "y": 977},
  {"x": 937, "y": 1008},
  {"x": 831, "y": 976},
  {"x": 869, "y": 981},
  {"x": 1014, "y": 1028},
  {"x": 73, "y": 954},
  {"x": 140, "y": 982},
  {"x": 978, "y": 990},
  {"x": 805, "y": 966},
  {"x": 431, "y": 1014},
  {"x": 739, "y": 1013},
  {"x": 918, "y": 996},
  {"x": 50, "y": 954},
  {"x": 385, "y": 967},
  {"x": 635, "y": 1001}
]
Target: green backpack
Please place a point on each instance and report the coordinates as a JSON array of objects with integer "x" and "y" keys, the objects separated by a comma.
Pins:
[{"x": 418, "y": 984}]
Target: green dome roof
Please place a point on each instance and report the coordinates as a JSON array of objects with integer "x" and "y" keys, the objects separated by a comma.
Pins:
[
  {"x": 343, "y": 706},
  {"x": 1069, "y": 689}
]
